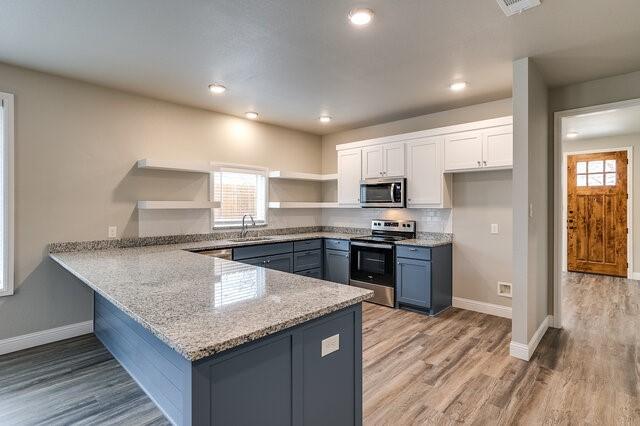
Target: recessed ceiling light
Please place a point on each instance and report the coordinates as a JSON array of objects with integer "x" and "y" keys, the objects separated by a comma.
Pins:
[
  {"x": 217, "y": 88},
  {"x": 251, "y": 115},
  {"x": 360, "y": 16},
  {"x": 458, "y": 86},
  {"x": 325, "y": 119},
  {"x": 572, "y": 135}
]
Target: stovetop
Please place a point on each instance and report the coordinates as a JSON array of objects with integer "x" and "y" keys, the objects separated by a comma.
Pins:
[{"x": 390, "y": 231}]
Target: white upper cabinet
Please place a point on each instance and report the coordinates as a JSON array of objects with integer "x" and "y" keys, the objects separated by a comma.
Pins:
[
  {"x": 383, "y": 161},
  {"x": 490, "y": 148},
  {"x": 497, "y": 147},
  {"x": 393, "y": 155},
  {"x": 463, "y": 151},
  {"x": 426, "y": 184},
  {"x": 372, "y": 162},
  {"x": 349, "y": 175}
]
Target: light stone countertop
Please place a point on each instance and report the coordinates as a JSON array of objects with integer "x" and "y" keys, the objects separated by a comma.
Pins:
[{"x": 201, "y": 305}]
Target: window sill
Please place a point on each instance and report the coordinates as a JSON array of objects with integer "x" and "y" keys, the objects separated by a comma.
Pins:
[{"x": 229, "y": 227}]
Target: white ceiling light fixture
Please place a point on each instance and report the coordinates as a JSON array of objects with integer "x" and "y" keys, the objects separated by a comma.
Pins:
[
  {"x": 458, "y": 86},
  {"x": 572, "y": 135},
  {"x": 217, "y": 88},
  {"x": 360, "y": 16},
  {"x": 251, "y": 115},
  {"x": 512, "y": 7},
  {"x": 325, "y": 119}
]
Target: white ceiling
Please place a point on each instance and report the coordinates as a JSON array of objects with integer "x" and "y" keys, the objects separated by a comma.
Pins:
[
  {"x": 293, "y": 60},
  {"x": 613, "y": 122}
]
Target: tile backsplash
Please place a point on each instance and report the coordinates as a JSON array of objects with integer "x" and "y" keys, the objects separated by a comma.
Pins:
[{"x": 427, "y": 220}]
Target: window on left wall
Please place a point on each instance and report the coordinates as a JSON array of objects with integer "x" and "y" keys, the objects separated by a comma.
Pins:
[
  {"x": 6, "y": 194},
  {"x": 240, "y": 191}
]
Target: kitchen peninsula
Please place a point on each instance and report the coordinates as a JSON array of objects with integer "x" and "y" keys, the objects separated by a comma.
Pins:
[{"x": 214, "y": 341}]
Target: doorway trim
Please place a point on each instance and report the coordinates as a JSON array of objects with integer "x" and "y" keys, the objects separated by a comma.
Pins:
[{"x": 559, "y": 197}]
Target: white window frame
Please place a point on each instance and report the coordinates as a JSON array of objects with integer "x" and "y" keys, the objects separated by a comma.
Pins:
[
  {"x": 239, "y": 168},
  {"x": 6, "y": 100}
]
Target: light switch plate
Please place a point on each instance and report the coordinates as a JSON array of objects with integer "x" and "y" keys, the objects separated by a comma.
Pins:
[
  {"x": 113, "y": 231},
  {"x": 494, "y": 228},
  {"x": 330, "y": 345}
]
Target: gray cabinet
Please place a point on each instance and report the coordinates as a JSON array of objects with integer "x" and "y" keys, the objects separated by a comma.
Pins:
[
  {"x": 279, "y": 262},
  {"x": 413, "y": 279},
  {"x": 303, "y": 260},
  {"x": 424, "y": 278},
  {"x": 336, "y": 266}
]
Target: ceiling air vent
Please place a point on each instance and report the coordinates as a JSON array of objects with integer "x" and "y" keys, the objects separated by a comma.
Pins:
[{"x": 511, "y": 7}]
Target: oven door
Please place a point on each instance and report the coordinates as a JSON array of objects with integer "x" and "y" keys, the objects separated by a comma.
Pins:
[
  {"x": 372, "y": 263},
  {"x": 382, "y": 193}
]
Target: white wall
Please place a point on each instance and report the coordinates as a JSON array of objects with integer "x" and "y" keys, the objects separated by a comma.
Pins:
[{"x": 76, "y": 149}]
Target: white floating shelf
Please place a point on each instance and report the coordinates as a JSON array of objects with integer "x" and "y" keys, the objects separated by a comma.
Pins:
[
  {"x": 172, "y": 205},
  {"x": 277, "y": 174},
  {"x": 301, "y": 205},
  {"x": 176, "y": 166}
]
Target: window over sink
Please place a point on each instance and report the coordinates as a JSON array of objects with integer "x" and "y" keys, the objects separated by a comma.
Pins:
[{"x": 240, "y": 190}]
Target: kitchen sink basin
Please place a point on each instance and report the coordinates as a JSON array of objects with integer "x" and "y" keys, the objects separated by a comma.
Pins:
[{"x": 242, "y": 240}]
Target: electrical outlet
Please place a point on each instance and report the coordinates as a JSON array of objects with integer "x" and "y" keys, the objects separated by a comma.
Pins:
[
  {"x": 113, "y": 231},
  {"x": 494, "y": 228},
  {"x": 330, "y": 345},
  {"x": 504, "y": 289}
]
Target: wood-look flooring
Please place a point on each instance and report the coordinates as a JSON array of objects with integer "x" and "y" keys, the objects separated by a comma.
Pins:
[{"x": 450, "y": 369}]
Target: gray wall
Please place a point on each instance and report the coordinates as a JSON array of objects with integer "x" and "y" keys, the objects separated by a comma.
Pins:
[
  {"x": 620, "y": 141},
  {"x": 531, "y": 174},
  {"x": 479, "y": 199},
  {"x": 76, "y": 146}
]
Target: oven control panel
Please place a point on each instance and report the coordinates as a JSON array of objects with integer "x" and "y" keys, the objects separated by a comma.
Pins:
[{"x": 393, "y": 225}]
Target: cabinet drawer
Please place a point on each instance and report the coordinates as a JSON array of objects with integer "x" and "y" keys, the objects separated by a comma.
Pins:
[
  {"x": 307, "y": 245},
  {"x": 336, "y": 245},
  {"x": 412, "y": 252},
  {"x": 313, "y": 273},
  {"x": 261, "y": 250},
  {"x": 307, "y": 260},
  {"x": 279, "y": 262}
]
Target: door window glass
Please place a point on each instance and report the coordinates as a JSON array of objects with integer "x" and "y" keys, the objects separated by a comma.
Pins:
[{"x": 596, "y": 173}]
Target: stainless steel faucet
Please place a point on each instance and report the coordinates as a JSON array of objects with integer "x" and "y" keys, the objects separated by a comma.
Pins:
[{"x": 244, "y": 231}]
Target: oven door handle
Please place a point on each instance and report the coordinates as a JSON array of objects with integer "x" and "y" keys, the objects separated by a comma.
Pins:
[{"x": 361, "y": 244}]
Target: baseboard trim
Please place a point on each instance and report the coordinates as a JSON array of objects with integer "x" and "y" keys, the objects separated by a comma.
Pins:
[
  {"x": 483, "y": 307},
  {"x": 525, "y": 352},
  {"x": 635, "y": 276},
  {"x": 43, "y": 337}
]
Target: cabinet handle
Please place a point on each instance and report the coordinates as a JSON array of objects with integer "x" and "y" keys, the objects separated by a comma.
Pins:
[
  {"x": 268, "y": 261},
  {"x": 484, "y": 162},
  {"x": 413, "y": 249},
  {"x": 479, "y": 165},
  {"x": 346, "y": 255},
  {"x": 409, "y": 199}
]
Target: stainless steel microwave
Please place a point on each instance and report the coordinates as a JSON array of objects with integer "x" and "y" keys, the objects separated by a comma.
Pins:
[{"x": 384, "y": 192}]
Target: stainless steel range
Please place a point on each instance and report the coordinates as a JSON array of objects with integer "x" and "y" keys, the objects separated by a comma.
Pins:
[{"x": 373, "y": 258}]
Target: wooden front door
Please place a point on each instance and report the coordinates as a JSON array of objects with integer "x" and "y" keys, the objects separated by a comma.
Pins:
[{"x": 597, "y": 213}]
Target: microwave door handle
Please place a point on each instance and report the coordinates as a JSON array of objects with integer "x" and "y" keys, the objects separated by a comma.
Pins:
[{"x": 392, "y": 188}]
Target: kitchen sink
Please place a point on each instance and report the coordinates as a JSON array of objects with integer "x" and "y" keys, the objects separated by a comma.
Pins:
[{"x": 242, "y": 240}]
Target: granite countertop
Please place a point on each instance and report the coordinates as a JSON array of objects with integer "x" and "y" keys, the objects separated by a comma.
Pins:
[
  {"x": 434, "y": 241},
  {"x": 200, "y": 305}
]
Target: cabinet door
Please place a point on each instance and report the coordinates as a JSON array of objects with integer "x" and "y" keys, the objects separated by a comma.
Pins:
[
  {"x": 280, "y": 262},
  {"x": 372, "y": 162},
  {"x": 463, "y": 151},
  {"x": 349, "y": 175},
  {"x": 336, "y": 266},
  {"x": 393, "y": 155},
  {"x": 413, "y": 278},
  {"x": 424, "y": 172},
  {"x": 497, "y": 147}
]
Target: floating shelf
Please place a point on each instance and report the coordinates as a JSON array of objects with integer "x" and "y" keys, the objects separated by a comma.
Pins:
[
  {"x": 301, "y": 205},
  {"x": 177, "y": 166},
  {"x": 277, "y": 174},
  {"x": 172, "y": 205}
]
